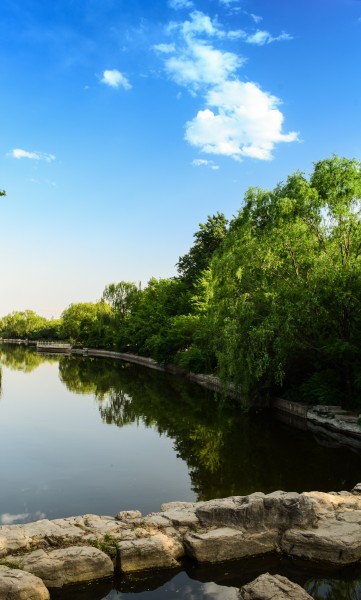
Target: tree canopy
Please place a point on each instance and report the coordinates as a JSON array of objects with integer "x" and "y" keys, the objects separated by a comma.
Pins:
[{"x": 270, "y": 301}]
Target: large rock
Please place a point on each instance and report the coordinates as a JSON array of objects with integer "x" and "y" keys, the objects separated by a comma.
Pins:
[
  {"x": 218, "y": 545},
  {"x": 21, "y": 537},
  {"x": 57, "y": 568},
  {"x": 337, "y": 537},
  {"x": 259, "y": 511},
  {"x": 18, "y": 585},
  {"x": 153, "y": 552},
  {"x": 314, "y": 525},
  {"x": 273, "y": 587}
]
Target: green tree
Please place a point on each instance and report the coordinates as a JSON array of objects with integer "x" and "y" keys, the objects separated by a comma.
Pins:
[
  {"x": 207, "y": 240},
  {"x": 123, "y": 297},
  {"x": 28, "y": 325},
  {"x": 148, "y": 331},
  {"x": 89, "y": 324},
  {"x": 284, "y": 298}
]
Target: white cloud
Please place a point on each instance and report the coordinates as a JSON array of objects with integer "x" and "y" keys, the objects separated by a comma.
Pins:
[
  {"x": 245, "y": 121},
  {"x": 164, "y": 48},
  {"x": 260, "y": 38},
  {"x": 179, "y": 4},
  {"x": 256, "y": 18},
  {"x": 201, "y": 162},
  {"x": 19, "y": 153},
  {"x": 198, "y": 23},
  {"x": 238, "y": 118},
  {"x": 200, "y": 63},
  {"x": 115, "y": 79}
]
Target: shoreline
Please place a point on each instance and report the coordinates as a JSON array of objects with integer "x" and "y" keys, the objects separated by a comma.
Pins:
[
  {"x": 318, "y": 527},
  {"x": 340, "y": 426}
]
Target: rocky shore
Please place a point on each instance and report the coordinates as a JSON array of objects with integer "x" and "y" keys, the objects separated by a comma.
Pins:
[{"x": 47, "y": 554}]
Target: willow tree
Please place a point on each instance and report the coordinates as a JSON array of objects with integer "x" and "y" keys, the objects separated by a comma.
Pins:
[{"x": 285, "y": 290}]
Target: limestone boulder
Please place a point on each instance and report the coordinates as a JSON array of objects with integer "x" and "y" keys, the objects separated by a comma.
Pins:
[
  {"x": 61, "y": 567},
  {"x": 153, "y": 552},
  {"x": 273, "y": 587},
  {"x": 19, "y": 585},
  {"x": 259, "y": 511},
  {"x": 21, "y": 537},
  {"x": 128, "y": 515},
  {"x": 226, "y": 543},
  {"x": 336, "y": 542},
  {"x": 337, "y": 537}
]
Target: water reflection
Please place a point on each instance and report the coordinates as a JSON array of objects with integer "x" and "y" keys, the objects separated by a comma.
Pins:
[
  {"x": 9, "y": 519},
  {"x": 331, "y": 589},
  {"x": 221, "y": 581},
  {"x": 227, "y": 453},
  {"x": 21, "y": 358},
  {"x": 177, "y": 585}
]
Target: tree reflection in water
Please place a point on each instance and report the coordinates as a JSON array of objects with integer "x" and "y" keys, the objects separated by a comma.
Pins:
[
  {"x": 22, "y": 358},
  {"x": 331, "y": 589},
  {"x": 227, "y": 452}
]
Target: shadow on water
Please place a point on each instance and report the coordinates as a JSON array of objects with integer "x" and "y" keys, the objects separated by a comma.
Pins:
[{"x": 221, "y": 582}]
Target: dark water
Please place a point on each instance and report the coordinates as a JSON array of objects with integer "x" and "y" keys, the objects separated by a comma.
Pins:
[{"x": 82, "y": 435}]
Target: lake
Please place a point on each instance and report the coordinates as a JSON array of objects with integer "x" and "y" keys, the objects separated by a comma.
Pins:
[{"x": 84, "y": 435}]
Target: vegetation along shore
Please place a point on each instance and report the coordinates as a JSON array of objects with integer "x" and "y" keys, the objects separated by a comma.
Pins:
[{"x": 269, "y": 301}]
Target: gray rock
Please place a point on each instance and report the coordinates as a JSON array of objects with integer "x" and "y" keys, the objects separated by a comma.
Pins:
[
  {"x": 126, "y": 515},
  {"x": 181, "y": 517},
  {"x": 153, "y": 552},
  {"x": 67, "y": 565},
  {"x": 18, "y": 585},
  {"x": 257, "y": 511},
  {"x": 218, "y": 545},
  {"x": 273, "y": 587},
  {"x": 356, "y": 490}
]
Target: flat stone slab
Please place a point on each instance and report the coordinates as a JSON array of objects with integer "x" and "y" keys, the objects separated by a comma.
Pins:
[
  {"x": 18, "y": 585},
  {"x": 259, "y": 511},
  {"x": 154, "y": 552},
  {"x": 57, "y": 568},
  {"x": 223, "y": 544}
]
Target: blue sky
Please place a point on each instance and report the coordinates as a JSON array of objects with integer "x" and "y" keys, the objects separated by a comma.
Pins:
[{"x": 125, "y": 123}]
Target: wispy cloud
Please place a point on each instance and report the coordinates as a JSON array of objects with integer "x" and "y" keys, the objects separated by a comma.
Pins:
[
  {"x": 231, "y": 5},
  {"x": 115, "y": 79},
  {"x": 196, "y": 62},
  {"x": 19, "y": 153},
  {"x": 260, "y": 38},
  {"x": 256, "y": 18},
  {"x": 180, "y": 4},
  {"x": 238, "y": 119},
  {"x": 164, "y": 48},
  {"x": 201, "y": 162}
]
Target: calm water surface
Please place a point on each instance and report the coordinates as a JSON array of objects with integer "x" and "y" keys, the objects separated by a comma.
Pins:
[{"x": 82, "y": 435}]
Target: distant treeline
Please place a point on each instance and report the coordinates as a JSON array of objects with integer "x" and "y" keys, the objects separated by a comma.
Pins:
[{"x": 270, "y": 300}]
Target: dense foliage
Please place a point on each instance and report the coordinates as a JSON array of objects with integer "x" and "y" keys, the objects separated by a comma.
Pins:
[{"x": 269, "y": 301}]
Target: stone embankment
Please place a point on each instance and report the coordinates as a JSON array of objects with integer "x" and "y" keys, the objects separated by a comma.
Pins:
[
  {"x": 51, "y": 554},
  {"x": 340, "y": 426}
]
